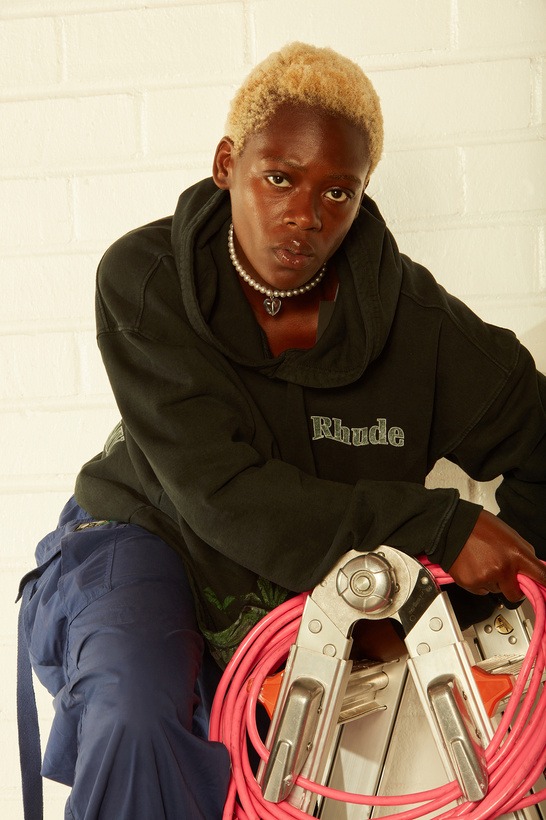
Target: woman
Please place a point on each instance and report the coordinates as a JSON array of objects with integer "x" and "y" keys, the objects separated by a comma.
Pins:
[{"x": 286, "y": 380}]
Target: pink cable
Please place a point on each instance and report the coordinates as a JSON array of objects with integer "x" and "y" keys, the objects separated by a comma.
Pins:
[{"x": 512, "y": 772}]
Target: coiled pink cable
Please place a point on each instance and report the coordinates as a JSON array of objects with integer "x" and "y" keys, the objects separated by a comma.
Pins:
[{"x": 516, "y": 755}]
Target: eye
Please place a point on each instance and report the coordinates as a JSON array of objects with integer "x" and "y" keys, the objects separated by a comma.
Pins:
[
  {"x": 338, "y": 195},
  {"x": 278, "y": 180}
]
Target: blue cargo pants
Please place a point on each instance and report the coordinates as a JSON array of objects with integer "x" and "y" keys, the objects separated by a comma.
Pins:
[{"x": 111, "y": 631}]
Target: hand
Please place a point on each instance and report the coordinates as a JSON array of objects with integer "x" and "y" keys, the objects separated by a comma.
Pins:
[{"x": 493, "y": 556}]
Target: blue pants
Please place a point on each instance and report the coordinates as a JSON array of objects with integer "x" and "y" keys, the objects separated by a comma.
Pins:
[{"x": 112, "y": 634}]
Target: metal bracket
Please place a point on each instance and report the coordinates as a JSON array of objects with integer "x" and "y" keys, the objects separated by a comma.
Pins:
[{"x": 384, "y": 583}]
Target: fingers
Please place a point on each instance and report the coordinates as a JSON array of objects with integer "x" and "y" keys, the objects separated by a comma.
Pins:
[
  {"x": 511, "y": 590},
  {"x": 534, "y": 568},
  {"x": 492, "y": 558}
]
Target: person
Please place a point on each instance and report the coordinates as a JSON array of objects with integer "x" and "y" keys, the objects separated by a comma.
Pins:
[{"x": 286, "y": 380}]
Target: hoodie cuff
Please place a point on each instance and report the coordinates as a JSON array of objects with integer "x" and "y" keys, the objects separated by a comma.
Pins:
[{"x": 456, "y": 533}]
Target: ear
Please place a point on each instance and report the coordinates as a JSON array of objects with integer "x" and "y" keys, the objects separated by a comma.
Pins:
[{"x": 223, "y": 163}]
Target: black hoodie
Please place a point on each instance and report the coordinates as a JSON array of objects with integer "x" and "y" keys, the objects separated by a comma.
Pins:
[{"x": 263, "y": 471}]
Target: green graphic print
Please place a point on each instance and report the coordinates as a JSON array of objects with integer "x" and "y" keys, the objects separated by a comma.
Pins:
[{"x": 253, "y": 607}]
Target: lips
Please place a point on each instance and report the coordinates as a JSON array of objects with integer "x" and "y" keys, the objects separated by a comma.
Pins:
[
  {"x": 294, "y": 261},
  {"x": 295, "y": 254},
  {"x": 296, "y": 247}
]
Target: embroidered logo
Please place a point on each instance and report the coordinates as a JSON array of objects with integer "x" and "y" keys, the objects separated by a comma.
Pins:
[{"x": 332, "y": 428}]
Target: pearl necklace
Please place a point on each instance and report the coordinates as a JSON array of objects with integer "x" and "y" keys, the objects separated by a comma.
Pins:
[{"x": 272, "y": 301}]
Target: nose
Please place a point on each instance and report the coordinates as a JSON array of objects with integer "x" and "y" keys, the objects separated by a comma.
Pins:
[{"x": 303, "y": 211}]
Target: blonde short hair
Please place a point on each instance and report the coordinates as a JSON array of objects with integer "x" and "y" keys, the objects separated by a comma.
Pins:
[{"x": 312, "y": 76}]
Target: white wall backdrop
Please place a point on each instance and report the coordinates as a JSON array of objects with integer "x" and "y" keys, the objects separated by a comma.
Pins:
[{"x": 108, "y": 108}]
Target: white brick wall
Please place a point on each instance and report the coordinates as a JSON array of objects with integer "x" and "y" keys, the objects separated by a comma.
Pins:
[{"x": 108, "y": 108}]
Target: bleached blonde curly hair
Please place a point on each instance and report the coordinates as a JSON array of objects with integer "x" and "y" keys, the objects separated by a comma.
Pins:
[{"x": 306, "y": 74}]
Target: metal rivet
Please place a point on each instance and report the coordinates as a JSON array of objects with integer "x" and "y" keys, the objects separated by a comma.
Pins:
[
  {"x": 436, "y": 624},
  {"x": 315, "y": 626},
  {"x": 329, "y": 650},
  {"x": 361, "y": 583}
]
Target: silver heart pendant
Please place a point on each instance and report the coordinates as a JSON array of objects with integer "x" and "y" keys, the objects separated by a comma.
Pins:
[{"x": 272, "y": 304}]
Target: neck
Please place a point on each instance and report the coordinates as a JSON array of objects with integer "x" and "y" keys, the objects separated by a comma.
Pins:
[
  {"x": 297, "y": 325},
  {"x": 272, "y": 302}
]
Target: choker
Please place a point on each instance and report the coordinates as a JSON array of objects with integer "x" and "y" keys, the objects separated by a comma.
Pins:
[{"x": 272, "y": 301}]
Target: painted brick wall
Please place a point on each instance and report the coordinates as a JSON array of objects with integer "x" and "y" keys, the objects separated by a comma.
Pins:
[{"x": 108, "y": 108}]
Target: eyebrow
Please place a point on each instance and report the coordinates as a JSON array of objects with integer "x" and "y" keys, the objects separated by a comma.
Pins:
[{"x": 298, "y": 167}]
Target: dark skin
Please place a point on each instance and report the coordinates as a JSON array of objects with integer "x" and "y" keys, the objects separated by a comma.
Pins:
[
  {"x": 295, "y": 190},
  {"x": 493, "y": 556}
]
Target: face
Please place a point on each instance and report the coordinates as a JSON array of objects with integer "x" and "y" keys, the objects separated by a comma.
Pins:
[{"x": 295, "y": 190}]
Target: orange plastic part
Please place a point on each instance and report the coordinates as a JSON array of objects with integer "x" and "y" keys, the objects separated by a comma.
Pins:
[
  {"x": 269, "y": 692},
  {"x": 492, "y": 688}
]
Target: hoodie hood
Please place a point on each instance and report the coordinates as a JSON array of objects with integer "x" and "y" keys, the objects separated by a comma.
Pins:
[{"x": 368, "y": 265}]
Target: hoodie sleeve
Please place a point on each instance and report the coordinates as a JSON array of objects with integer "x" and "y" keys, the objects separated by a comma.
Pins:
[
  {"x": 509, "y": 440},
  {"x": 489, "y": 414}
]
